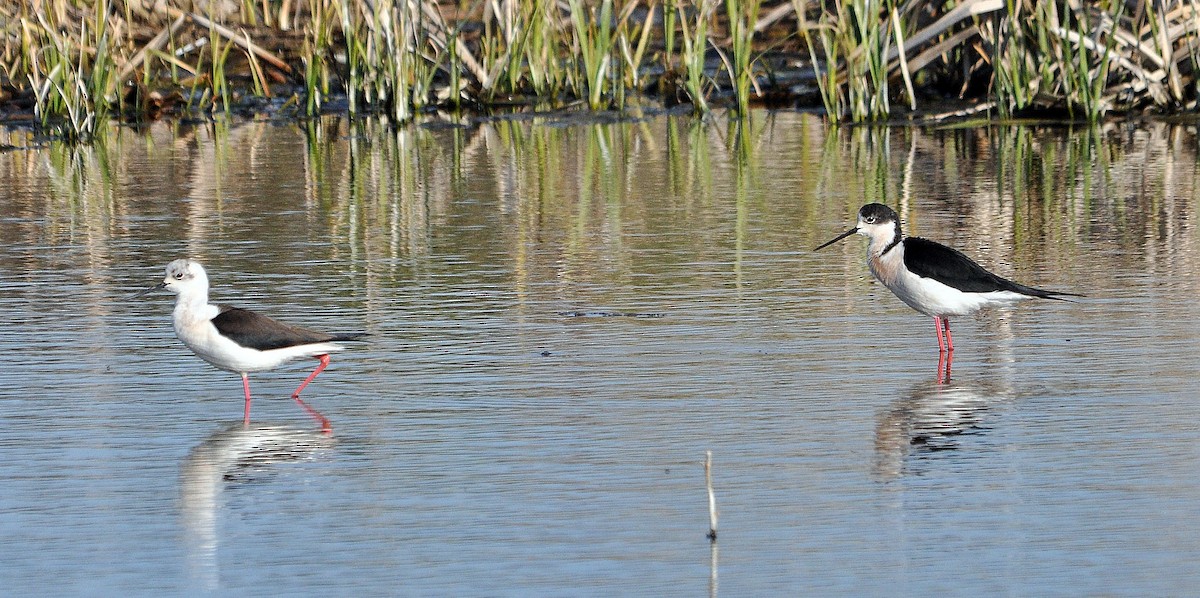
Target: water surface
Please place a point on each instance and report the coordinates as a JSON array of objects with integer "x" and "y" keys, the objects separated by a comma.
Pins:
[{"x": 562, "y": 321}]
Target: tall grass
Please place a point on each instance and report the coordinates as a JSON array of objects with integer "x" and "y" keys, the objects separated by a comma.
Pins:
[
  {"x": 72, "y": 75},
  {"x": 695, "y": 46},
  {"x": 218, "y": 56},
  {"x": 826, "y": 70},
  {"x": 854, "y": 41},
  {"x": 1085, "y": 59},
  {"x": 77, "y": 58},
  {"x": 317, "y": 54},
  {"x": 1056, "y": 54},
  {"x": 634, "y": 42},
  {"x": 741, "y": 16},
  {"x": 542, "y": 62},
  {"x": 499, "y": 48},
  {"x": 593, "y": 44}
]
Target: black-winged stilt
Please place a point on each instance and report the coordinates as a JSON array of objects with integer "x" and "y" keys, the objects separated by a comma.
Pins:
[
  {"x": 931, "y": 278},
  {"x": 239, "y": 340}
]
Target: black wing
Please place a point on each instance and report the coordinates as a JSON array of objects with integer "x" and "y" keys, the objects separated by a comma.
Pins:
[
  {"x": 250, "y": 329},
  {"x": 950, "y": 267}
]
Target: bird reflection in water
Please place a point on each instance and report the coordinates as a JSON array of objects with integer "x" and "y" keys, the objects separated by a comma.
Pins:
[
  {"x": 933, "y": 416},
  {"x": 232, "y": 456},
  {"x": 943, "y": 372}
]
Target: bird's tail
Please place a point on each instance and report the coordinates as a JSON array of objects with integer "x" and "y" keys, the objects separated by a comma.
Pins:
[
  {"x": 1045, "y": 294},
  {"x": 349, "y": 336}
]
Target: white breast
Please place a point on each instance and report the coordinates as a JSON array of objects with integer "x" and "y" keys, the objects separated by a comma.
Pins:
[{"x": 927, "y": 295}]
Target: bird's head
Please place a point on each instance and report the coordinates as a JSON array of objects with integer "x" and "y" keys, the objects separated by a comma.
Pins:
[
  {"x": 876, "y": 221},
  {"x": 183, "y": 276}
]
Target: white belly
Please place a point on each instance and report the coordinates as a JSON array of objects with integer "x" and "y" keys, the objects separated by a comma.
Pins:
[
  {"x": 202, "y": 338},
  {"x": 929, "y": 296},
  {"x": 933, "y": 298}
]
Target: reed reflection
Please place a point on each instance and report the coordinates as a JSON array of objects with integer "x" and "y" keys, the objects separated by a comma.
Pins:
[{"x": 237, "y": 455}]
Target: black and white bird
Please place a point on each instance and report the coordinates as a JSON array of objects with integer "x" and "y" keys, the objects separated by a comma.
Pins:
[
  {"x": 239, "y": 340},
  {"x": 932, "y": 278}
]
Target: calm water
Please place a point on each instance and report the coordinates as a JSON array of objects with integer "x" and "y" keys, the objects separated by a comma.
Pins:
[{"x": 563, "y": 319}]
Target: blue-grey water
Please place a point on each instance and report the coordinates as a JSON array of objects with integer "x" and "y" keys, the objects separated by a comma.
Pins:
[{"x": 563, "y": 319}]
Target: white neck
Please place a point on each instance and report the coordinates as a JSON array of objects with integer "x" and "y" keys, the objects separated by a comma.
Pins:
[{"x": 193, "y": 302}]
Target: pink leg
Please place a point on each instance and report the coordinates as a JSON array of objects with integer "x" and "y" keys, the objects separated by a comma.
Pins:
[
  {"x": 944, "y": 361},
  {"x": 937, "y": 325},
  {"x": 949, "y": 341},
  {"x": 246, "y": 387},
  {"x": 324, "y": 362},
  {"x": 325, "y": 426}
]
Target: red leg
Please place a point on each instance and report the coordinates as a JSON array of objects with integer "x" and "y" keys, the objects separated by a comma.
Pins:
[
  {"x": 937, "y": 325},
  {"x": 246, "y": 387},
  {"x": 949, "y": 341}
]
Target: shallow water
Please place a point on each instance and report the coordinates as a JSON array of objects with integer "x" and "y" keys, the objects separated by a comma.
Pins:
[{"x": 563, "y": 319}]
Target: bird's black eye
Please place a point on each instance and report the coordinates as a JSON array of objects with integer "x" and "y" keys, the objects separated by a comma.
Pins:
[
  {"x": 179, "y": 276},
  {"x": 870, "y": 219}
]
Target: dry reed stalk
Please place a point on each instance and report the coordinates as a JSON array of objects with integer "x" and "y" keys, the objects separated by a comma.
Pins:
[
  {"x": 153, "y": 45},
  {"x": 232, "y": 36}
]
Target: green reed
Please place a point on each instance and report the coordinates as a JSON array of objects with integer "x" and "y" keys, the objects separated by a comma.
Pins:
[
  {"x": 826, "y": 78},
  {"x": 500, "y": 49},
  {"x": 1054, "y": 53},
  {"x": 1086, "y": 71},
  {"x": 633, "y": 53},
  {"x": 385, "y": 46},
  {"x": 741, "y": 16},
  {"x": 867, "y": 39},
  {"x": 593, "y": 44},
  {"x": 695, "y": 44},
  {"x": 1085, "y": 58},
  {"x": 317, "y": 54},
  {"x": 1015, "y": 68},
  {"x": 218, "y": 81},
  {"x": 73, "y": 76},
  {"x": 855, "y": 40},
  {"x": 541, "y": 62}
]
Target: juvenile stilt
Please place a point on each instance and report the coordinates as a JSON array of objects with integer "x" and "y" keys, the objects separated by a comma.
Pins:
[{"x": 239, "y": 340}]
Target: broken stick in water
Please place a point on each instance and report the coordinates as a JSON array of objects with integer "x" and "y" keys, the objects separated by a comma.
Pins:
[{"x": 712, "y": 498}]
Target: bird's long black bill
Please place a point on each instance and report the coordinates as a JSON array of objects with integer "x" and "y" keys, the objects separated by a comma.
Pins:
[
  {"x": 158, "y": 287},
  {"x": 837, "y": 238}
]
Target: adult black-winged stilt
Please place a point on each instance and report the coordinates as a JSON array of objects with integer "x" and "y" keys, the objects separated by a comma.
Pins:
[
  {"x": 239, "y": 340},
  {"x": 932, "y": 278}
]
